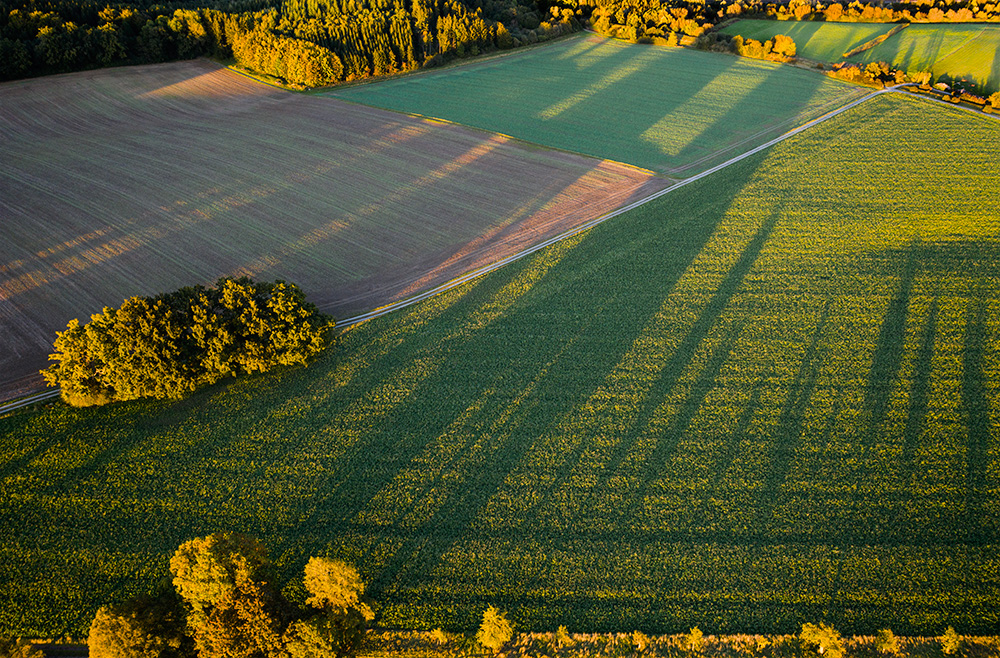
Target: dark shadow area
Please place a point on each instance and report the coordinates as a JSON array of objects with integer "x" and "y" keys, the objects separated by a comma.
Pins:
[
  {"x": 566, "y": 358},
  {"x": 789, "y": 427},
  {"x": 693, "y": 339},
  {"x": 976, "y": 412},
  {"x": 917, "y": 411},
  {"x": 889, "y": 347}
]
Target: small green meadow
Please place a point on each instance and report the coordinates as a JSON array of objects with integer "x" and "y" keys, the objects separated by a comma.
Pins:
[{"x": 960, "y": 51}]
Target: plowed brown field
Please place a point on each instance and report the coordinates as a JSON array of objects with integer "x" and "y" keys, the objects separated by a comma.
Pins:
[{"x": 138, "y": 180}]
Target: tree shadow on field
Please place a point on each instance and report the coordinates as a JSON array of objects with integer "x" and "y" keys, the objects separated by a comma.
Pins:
[
  {"x": 976, "y": 413},
  {"x": 552, "y": 329},
  {"x": 670, "y": 373},
  {"x": 790, "y": 424},
  {"x": 888, "y": 355},
  {"x": 917, "y": 411},
  {"x": 949, "y": 273},
  {"x": 734, "y": 131},
  {"x": 993, "y": 84}
]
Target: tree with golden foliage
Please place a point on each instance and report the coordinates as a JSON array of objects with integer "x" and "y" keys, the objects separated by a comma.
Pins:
[
  {"x": 168, "y": 345},
  {"x": 495, "y": 631},
  {"x": 141, "y": 628},
  {"x": 340, "y": 622},
  {"x": 824, "y": 639}
]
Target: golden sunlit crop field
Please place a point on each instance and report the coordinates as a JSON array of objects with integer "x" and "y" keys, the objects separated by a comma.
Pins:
[{"x": 770, "y": 397}]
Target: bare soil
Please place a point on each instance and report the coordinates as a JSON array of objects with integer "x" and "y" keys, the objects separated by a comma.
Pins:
[{"x": 137, "y": 180}]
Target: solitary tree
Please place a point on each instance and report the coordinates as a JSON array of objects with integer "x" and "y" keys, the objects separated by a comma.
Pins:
[
  {"x": 234, "y": 612},
  {"x": 495, "y": 631},
  {"x": 886, "y": 642},
  {"x": 824, "y": 638},
  {"x": 693, "y": 640},
  {"x": 341, "y": 618},
  {"x": 950, "y": 641}
]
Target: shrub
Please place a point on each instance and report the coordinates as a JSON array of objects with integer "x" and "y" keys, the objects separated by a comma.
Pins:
[
  {"x": 692, "y": 641},
  {"x": 19, "y": 648},
  {"x": 140, "y": 628},
  {"x": 950, "y": 641},
  {"x": 824, "y": 639},
  {"x": 562, "y": 637},
  {"x": 886, "y": 642},
  {"x": 495, "y": 631}
]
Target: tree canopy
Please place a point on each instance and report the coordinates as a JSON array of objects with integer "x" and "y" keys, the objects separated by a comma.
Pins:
[
  {"x": 168, "y": 345},
  {"x": 224, "y": 605}
]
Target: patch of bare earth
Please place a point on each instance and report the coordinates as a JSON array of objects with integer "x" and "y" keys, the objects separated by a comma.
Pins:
[{"x": 133, "y": 181}]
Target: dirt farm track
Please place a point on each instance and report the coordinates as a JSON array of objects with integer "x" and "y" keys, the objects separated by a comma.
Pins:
[{"x": 138, "y": 180}]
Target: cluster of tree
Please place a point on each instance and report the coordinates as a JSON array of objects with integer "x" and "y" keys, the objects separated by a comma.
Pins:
[
  {"x": 780, "y": 48},
  {"x": 878, "y": 74},
  {"x": 223, "y": 604},
  {"x": 662, "y": 22},
  {"x": 168, "y": 345}
]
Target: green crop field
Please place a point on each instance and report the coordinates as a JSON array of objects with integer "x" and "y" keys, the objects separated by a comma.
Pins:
[
  {"x": 960, "y": 51},
  {"x": 815, "y": 40},
  {"x": 770, "y": 397},
  {"x": 672, "y": 110}
]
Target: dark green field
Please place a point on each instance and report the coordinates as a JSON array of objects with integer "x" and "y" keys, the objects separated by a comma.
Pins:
[{"x": 770, "y": 397}]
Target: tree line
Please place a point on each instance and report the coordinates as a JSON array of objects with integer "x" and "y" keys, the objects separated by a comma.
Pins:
[
  {"x": 678, "y": 22},
  {"x": 298, "y": 42},
  {"x": 320, "y": 42}
]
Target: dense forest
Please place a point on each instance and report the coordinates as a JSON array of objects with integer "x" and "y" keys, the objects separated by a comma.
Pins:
[
  {"x": 319, "y": 42},
  {"x": 306, "y": 42}
]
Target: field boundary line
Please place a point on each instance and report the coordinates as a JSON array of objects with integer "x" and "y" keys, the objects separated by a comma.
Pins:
[
  {"x": 31, "y": 399},
  {"x": 348, "y": 323},
  {"x": 474, "y": 274}
]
